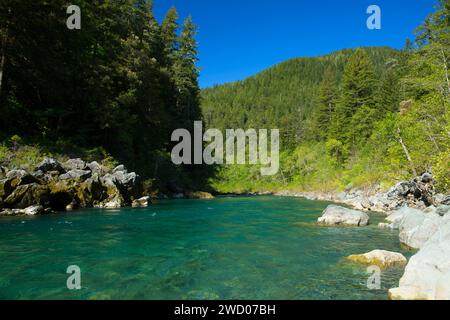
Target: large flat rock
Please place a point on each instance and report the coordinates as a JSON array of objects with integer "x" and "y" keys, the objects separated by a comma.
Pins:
[
  {"x": 416, "y": 227},
  {"x": 335, "y": 215}
]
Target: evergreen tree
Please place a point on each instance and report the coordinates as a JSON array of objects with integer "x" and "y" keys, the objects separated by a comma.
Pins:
[
  {"x": 186, "y": 73},
  {"x": 358, "y": 90},
  {"x": 169, "y": 30},
  {"x": 326, "y": 104},
  {"x": 389, "y": 92}
]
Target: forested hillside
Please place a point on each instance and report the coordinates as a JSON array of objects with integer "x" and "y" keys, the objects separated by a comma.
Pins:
[
  {"x": 117, "y": 87},
  {"x": 283, "y": 96},
  {"x": 363, "y": 117}
]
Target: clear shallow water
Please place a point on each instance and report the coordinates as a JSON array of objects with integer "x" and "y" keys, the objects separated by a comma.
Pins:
[{"x": 226, "y": 248}]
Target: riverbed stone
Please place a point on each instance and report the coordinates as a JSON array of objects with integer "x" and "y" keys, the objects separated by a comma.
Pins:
[
  {"x": 381, "y": 258},
  {"x": 336, "y": 215}
]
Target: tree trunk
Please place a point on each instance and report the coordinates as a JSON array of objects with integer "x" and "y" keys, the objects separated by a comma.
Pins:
[
  {"x": 4, "y": 39},
  {"x": 444, "y": 59},
  {"x": 400, "y": 140},
  {"x": 2, "y": 65}
]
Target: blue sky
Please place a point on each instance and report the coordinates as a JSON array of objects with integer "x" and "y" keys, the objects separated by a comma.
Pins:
[{"x": 238, "y": 38}]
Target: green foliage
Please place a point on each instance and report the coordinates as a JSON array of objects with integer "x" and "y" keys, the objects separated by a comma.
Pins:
[
  {"x": 370, "y": 140},
  {"x": 284, "y": 96},
  {"x": 117, "y": 88},
  {"x": 441, "y": 170}
]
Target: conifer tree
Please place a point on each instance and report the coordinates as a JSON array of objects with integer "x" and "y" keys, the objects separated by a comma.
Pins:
[
  {"x": 169, "y": 28},
  {"x": 186, "y": 73},
  {"x": 358, "y": 90},
  {"x": 326, "y": 104}
]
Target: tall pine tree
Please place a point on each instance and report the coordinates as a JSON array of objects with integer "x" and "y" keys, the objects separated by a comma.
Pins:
[
  {"x": 326, "y": 104},
  {"x": 358, "y": 91}
]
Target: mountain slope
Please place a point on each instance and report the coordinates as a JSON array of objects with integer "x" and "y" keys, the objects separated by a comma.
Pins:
[{"x": 282, "y": 96}]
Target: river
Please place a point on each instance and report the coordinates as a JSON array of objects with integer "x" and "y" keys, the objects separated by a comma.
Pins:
[{"x": 228, "y": 248}]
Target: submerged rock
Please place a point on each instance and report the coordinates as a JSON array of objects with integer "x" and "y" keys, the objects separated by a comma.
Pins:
[
  {"x": 336, "y": 215},
  {"x": 380, "y": 258}
]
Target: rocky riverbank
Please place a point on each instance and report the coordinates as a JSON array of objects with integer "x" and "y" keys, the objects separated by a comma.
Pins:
[
  {"x": 74, "y": 184},
  {"x": 418, "y": 193},
  {"x": 423, "y": 220},
  {"x": 53, "y": 186}
]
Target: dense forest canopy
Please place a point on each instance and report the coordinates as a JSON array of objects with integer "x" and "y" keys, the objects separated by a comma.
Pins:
[
  {"x": 361, "y": 117},
  {"x": 283, "y": 96},
  {"x": 118, "y": 86}
]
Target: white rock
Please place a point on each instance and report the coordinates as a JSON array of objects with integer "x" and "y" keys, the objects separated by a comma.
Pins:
[
  {"x": 383, "y": 225},
  {"x": 142, "y": 202},
  {"x": 416, "y": 227},
  {"x": 427, "y": 275},
  {"x": 336, "y": 215},
  {"x": 33, "y": 210},
  {"x": 381, "y": 258}
]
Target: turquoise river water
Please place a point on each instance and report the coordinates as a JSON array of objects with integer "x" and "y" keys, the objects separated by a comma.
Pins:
[{"x": 227, "y": 248}]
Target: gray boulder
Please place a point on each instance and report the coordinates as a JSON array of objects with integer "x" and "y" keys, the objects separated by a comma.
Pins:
[
  {"x": 121, "y": 168},
  {"x": 30, "y": 211},
  {"x": 443, "y": 210},
  {"x": 74, "y": 164},
  {"x": 3, "y": 171},
  {"x": 95, "y": 167},
  {"x": 19, "y": 177},
  {"x": 446, "y": 200},
  {"x": 141, "y": 202},
  {"x": 50, "y": 164},
  {"x": 34, "y": 210},
  {"x": 401, "y": 189},
  {"x": 336, "y": 215},
  {"x": 76, "y": 174},
  {"x": 395, "y": 218},
  {"x": 427, "y": 275},
  {"x": 426, "y": 178},
  {"x": 416, "y": 227},
  {"x": 28, "y": 195}
]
